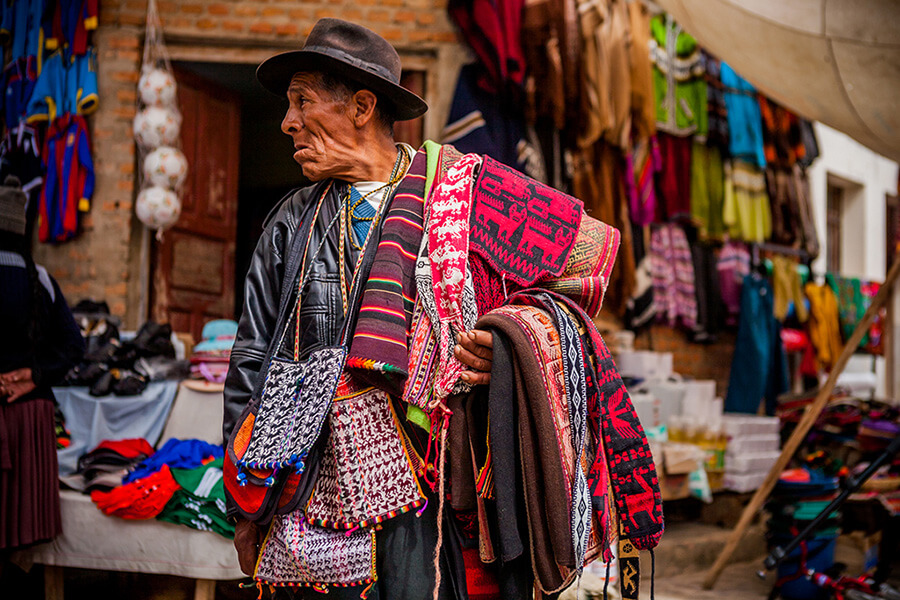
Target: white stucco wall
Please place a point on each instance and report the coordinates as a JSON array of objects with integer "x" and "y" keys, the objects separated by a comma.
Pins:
[{"x": 867, "y": 178}]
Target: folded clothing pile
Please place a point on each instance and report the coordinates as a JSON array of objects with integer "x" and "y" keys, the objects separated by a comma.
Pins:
[
  {"x": 104, "y": 467},
  {"x": 209, "y": 360},
  {"x": 180, "y": 483}
]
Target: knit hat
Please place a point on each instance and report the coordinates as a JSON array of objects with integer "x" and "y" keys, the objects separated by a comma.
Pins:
[{"x": 12, "y": 206}]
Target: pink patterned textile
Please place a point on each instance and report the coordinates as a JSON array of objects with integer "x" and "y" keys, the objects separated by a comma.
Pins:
[{"x": 448, "y": 249}]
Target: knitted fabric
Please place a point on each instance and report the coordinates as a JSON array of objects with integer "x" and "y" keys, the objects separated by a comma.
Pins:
[
  {"x": 182, "y": 454},
  {"x": 141, "y": 499}
]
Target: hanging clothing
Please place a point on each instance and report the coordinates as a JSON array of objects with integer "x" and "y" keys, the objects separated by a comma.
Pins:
[
  {"x": 643, "y": 101},
  {"x": 482, "y": 123},
  {"x": 744, "y": 118},
  {"x": 747, "y": 213},
  {"x": 786, "y": 281},
  {"x": 69, "y": 183},
  {"x": 19, "y": 79},
  {"x": 809, "y": 237},
  {"x": 673, "y": 276},
  {"x": 824, "y": 324},
  {"x": 782, "y": 136},
  {"x": 717, "y": 134},
  {"x": 678, "y": 80},
  {"x": 642, "y": 164},
  {"x": 67, "y": 85},
  {"x": 598, "y": 182},
  {"x": 606, "y": 72},
  {"x": 707, "y": 191},
  {"x": 493, "y": 31},
  {"x": 852, "y": 304},
  {"x": 20, "y": 24},
  {"x": 759, "y": 366},
  {"x": 641, "y": 308},
  {"x": 674, "y": 178},
  {"x": 66, "y": 25},
  {"x": 733, "y": 266},
  {"x": 709, "y": 301},
  {"x": 810, "y": 144}
]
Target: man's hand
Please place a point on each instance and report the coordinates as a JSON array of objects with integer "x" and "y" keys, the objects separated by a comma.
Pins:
[
  {"x": 15, "y": 384},
  {"x": 247, "y": 540},
  {"x": 475, "y": 349}
]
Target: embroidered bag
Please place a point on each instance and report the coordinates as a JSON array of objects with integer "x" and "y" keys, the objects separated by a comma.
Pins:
[
  {"x": 366, "y": 476},
  {"x": 297, "y": 553}
]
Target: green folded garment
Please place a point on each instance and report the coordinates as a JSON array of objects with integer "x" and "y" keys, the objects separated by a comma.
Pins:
[{"x": 200, "y": 503}]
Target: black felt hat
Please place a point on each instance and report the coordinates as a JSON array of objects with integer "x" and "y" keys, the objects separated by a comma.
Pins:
[{"x": 350, "y": 50}]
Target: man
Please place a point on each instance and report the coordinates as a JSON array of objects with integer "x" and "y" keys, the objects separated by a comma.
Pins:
[{"x": 344, "y": 96}]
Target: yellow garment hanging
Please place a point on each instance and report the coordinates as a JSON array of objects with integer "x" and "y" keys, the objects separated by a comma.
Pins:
[
  {"x": 824, "y": 327},
  {"x": 786, "y": 284}
]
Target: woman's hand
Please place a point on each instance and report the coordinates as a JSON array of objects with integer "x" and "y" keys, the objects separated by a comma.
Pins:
[
  {"x": 475, "y": 349},
  {"x": 15, "y": 384}
]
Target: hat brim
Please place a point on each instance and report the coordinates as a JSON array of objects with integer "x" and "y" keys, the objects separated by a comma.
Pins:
[{"x": 275, "y": 75}]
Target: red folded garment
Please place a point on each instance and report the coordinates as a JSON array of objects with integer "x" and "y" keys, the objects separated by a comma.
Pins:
[
  {"x": 131, "y": 448},
  {"x": 141, "y": 499}
]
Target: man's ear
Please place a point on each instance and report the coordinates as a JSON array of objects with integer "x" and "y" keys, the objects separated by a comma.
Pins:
[{"x": 364, "y": 107}]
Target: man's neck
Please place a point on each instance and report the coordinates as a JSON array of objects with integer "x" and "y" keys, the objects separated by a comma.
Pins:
[{"x": 378, "y": 157}]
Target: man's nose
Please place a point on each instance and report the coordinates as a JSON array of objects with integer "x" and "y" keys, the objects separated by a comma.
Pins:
[{"x": 291, "y": 122}]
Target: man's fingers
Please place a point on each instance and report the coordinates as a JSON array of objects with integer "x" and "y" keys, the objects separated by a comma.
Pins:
[
  {"x": 477, "y": 341},
  {"x": 476, "y": 378},
  {"x": 471, "y": 360}
]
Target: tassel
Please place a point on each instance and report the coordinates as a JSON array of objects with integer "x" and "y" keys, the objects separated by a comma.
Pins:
[
  {"x": 606, "y": 583},
  {"x": 422, "y": 509},
  {"x": 366, "y": 590},
  {"x": 652, "y": 574}
]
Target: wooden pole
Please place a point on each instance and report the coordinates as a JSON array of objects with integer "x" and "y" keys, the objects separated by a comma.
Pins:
[{"x": 806, "y": 422}]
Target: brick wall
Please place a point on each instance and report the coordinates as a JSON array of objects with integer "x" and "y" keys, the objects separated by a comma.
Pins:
[
  {"x": 696, "y": 361},
  {"x": 105, "y": 261}
]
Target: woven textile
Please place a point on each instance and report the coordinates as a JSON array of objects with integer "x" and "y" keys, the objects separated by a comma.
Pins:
[
  {"x": 378, "y": 353},
  {"x": 576, "y": 392},
  {"x": 523, "y": 228},
  {"x": 589, "y": 266},
  {"x": 366, "y": 476},
  {"x": 448, "y": 249},
  {"x": 630, "y": 463},
  {"x": 295, "y": 402},
  {"x": 545, "y": 440},
  {"x": 296, "y": 553}
]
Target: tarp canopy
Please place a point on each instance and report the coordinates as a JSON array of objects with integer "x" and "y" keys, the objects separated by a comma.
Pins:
[{"x": 832, "y": 61}]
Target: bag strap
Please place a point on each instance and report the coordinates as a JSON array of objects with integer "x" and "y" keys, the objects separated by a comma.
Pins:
[{"x": 292, "y": 268}]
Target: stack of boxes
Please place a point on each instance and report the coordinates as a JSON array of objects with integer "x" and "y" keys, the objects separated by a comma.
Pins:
[{"x": 753, "y": 447}]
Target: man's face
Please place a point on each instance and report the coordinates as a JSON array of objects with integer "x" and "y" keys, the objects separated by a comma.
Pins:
[{"x": 321, "y": 128}]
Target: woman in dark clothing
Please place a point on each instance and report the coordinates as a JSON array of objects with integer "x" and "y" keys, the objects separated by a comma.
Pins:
[{"x": 39, "y": 343}]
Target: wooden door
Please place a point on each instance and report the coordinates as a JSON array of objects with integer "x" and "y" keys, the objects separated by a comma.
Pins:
[{"x": 193, "y": 271}]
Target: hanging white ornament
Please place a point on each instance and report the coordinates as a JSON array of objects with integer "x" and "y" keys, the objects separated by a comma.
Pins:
[
  {"x": 157, "y": 126},
  {"x": 157, "y": 87},
  {"x": 157, "y": 207},
  {"x": 165, "y": 167}
]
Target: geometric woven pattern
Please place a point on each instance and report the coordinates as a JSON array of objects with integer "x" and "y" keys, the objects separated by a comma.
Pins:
[
  {"x": 295, "y": 402},
  {"x": 365, "y": 476},
  {"x": 296, "y": 553}
]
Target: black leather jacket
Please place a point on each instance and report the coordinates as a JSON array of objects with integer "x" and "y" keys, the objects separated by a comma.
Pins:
[{"x": 321, "y": 310}]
